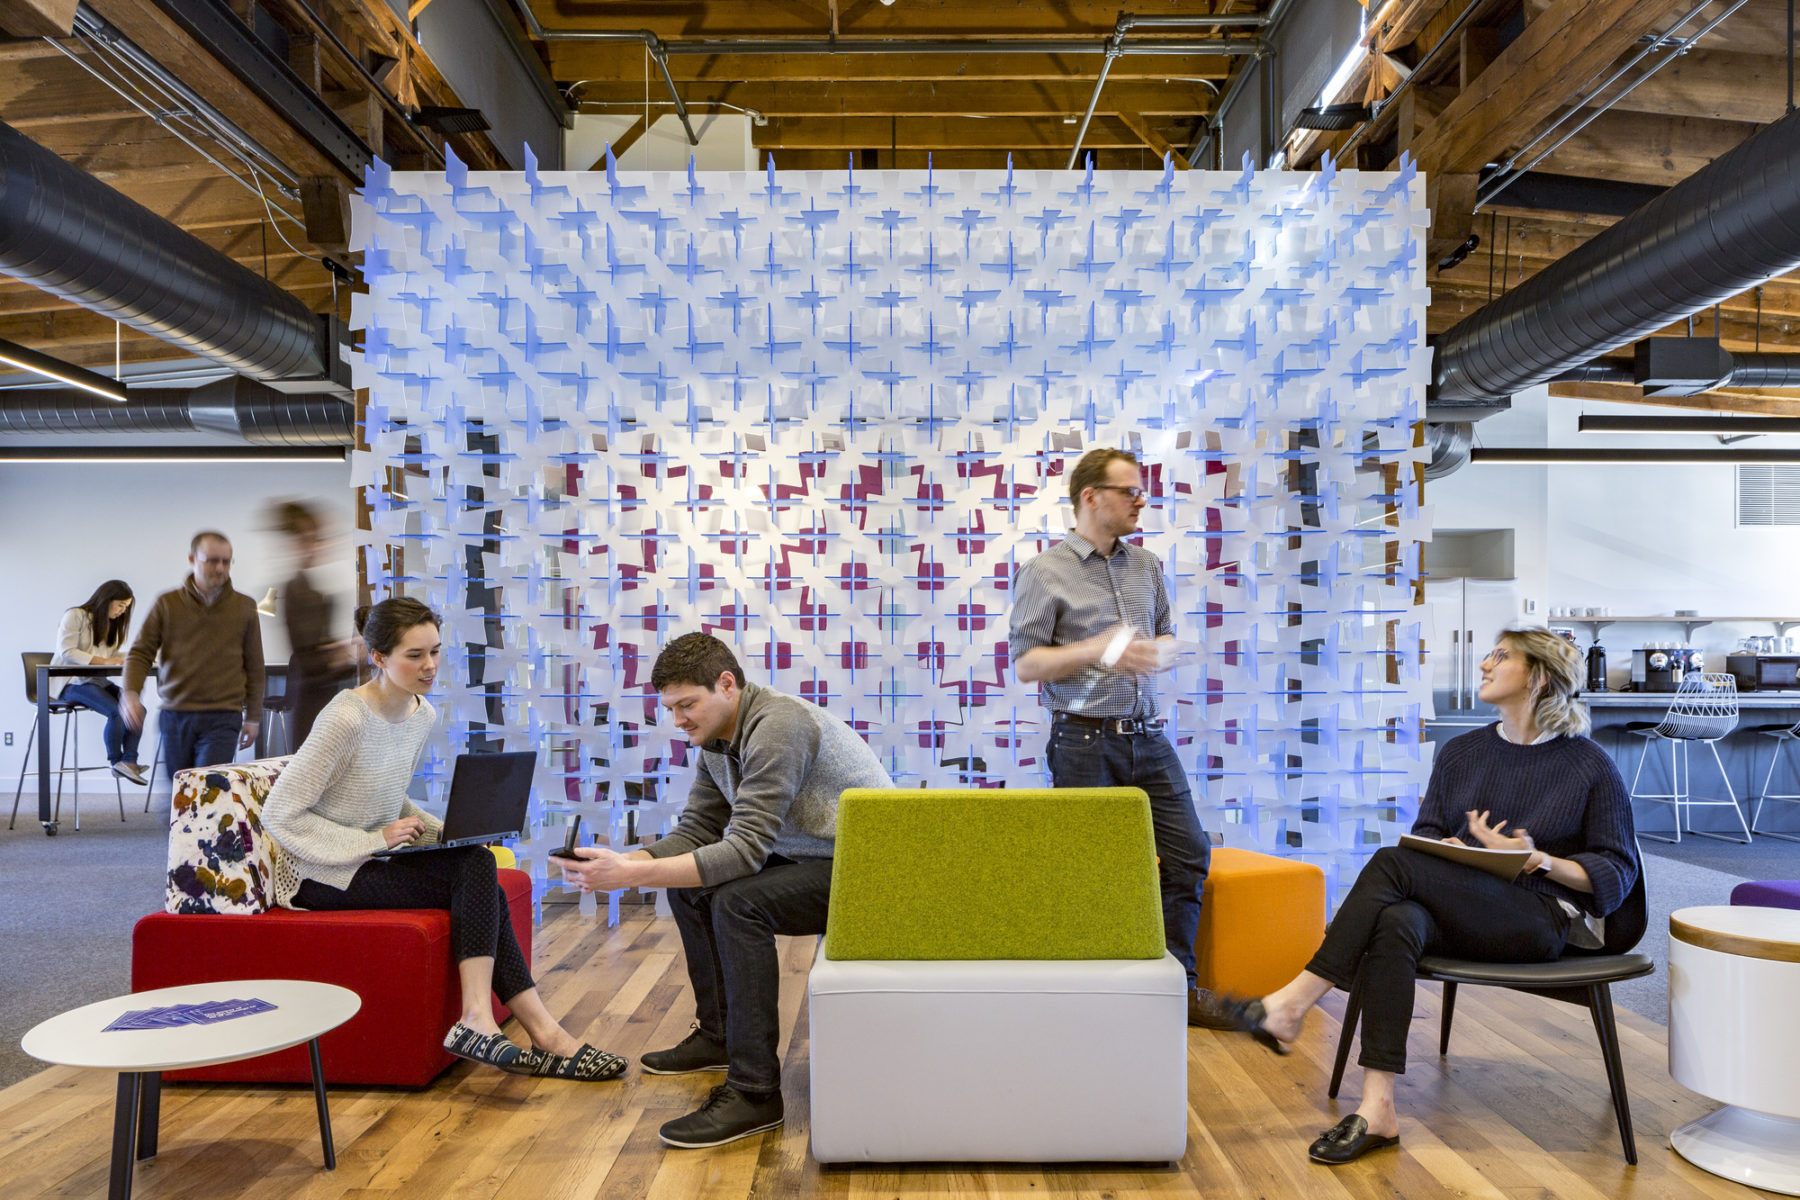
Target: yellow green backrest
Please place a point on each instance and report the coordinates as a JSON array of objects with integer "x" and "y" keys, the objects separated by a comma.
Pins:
[{"x": 1063, "y": 873}]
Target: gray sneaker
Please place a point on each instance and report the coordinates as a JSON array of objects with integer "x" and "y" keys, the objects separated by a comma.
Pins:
[
  {"x": 132, "y": 772},
  {"x": 698, "y": 1051}
]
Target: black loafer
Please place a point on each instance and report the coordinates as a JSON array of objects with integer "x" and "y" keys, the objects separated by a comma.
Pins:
[
  {"x": 1247, "y": 1016},
  {"x": 1346, "y": 1142}
]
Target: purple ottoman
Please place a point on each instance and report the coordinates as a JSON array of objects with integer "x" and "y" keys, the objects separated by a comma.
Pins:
[{"x": 1769, "y": 893}]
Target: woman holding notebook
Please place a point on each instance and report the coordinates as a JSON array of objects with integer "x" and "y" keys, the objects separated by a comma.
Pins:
[
  {"x": 1531, "y": 782},
  {"x": 343, "y": 798}
]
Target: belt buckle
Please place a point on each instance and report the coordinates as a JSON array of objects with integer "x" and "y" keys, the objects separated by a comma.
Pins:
[{"x": 1128, "y": 725}]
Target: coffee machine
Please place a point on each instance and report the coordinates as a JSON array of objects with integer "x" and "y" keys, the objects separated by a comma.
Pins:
[{"x": 1662, "y": 668}]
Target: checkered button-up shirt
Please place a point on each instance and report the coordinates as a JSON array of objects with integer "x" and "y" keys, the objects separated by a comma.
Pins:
[{"x": 1071, "y": 592}]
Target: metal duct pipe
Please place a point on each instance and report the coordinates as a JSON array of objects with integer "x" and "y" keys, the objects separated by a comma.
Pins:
[
  {"x": 1450, "y": 443},
  {"x": 67, "y": 233},
  {"x": 235, "y": 407},
  {"x": 1759, "y": 370},
  {"x": 1601, "y": 370},
  {"x": 1731, "y": 225}
]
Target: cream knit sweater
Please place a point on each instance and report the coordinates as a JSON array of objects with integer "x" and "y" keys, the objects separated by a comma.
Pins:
[{"x": 346, "y": 782}]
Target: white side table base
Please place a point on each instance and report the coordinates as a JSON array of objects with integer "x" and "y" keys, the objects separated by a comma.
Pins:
[{"x": 1749, "y": 1147}]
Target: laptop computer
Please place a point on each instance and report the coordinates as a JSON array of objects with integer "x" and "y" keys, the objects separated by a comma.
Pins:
[{"x": 489, "y": 794}]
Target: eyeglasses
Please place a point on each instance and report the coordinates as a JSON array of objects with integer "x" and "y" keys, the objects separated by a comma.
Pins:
[{"x": 1132, "y": 492}]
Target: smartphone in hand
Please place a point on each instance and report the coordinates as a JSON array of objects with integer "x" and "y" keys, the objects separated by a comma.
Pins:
[{"x": 567, "y": 849}]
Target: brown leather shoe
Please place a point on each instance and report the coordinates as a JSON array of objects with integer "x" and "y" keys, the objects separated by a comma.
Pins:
[{"x": 1206, "y": 1011}]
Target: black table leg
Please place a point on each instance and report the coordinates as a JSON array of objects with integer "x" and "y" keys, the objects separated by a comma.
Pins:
[
  {"x": 149, "y": 1110},
  {"x": 318, "y": 1071},
  {"x": 43, "y": 748},
  {"x": 125, "y": 1118}
]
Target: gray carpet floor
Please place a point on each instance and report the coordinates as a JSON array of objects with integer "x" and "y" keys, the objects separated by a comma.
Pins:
[{"x": 67, "y": 905}]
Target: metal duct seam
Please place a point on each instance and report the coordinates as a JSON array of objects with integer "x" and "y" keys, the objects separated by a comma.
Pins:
[
  {"x": 1728, "y": 227},
  {"x": 65, "y": 232},
  {"x": 238, "y": 408}
]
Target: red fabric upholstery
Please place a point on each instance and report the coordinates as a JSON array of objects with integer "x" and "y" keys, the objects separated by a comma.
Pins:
[{"x": 397, "y": 960}]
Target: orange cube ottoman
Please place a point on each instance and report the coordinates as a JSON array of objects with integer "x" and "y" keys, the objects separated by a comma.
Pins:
[{"x": 1261, "y": 920}]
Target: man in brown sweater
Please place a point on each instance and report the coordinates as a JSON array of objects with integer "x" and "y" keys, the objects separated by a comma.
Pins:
[{"x": 211, "y": 675}]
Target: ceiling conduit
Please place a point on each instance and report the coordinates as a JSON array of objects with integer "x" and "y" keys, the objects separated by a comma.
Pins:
[
  {"x": 234, "y": 407},
  {"x": 1726, "y": 228},
  {"x": 65, "y": 232}
]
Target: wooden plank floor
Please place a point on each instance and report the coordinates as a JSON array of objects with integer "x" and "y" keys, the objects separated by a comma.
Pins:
[{"x": 1519, "y": 1109}]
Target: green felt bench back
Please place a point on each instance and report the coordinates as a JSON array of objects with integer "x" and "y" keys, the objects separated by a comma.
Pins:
[{"x": 1064, "y": 873}]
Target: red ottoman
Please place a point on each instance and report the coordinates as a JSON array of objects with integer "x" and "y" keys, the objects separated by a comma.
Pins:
[{"x": 397, "y": 960}]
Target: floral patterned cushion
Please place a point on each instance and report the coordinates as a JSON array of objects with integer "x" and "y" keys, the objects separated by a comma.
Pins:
[{"x": 220, "y": 860}]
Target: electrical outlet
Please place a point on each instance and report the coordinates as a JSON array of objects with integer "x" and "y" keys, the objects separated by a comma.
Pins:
[
  {"x": 1530, "y": 606},
  {"x": 9, "y": 737}
]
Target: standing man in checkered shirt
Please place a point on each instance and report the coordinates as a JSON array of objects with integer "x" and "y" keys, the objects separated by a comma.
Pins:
[{"x": 1090, "y": 626}]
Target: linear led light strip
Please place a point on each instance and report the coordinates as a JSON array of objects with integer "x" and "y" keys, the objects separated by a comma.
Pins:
[{"x": 39, "y": 363}]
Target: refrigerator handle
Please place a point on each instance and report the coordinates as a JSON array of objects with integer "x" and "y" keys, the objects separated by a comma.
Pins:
[
  {"x": 1469, "y": 668},
  {"x": 1456, "y": 656}
]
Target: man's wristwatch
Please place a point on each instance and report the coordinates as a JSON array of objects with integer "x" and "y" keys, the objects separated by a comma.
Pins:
[{"x": 1543, "y": 867}]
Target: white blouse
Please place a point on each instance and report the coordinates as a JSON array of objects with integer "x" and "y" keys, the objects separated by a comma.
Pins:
[{"x": 76, "y": 648}]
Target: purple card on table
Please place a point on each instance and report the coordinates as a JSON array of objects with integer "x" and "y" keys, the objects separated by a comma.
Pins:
[{"x": 172, "y": 1015}]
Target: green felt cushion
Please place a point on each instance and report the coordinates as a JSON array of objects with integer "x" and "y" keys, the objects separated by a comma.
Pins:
[{"x": 994, "y": 873}]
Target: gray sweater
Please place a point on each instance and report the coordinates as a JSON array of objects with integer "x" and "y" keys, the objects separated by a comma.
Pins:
[
  {"x": 346, "y": 783},
  {"x": 772, "y": 789}
]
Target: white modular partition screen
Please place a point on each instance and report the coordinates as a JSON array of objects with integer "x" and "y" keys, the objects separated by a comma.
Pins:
[{"x": 826, "y": 416}]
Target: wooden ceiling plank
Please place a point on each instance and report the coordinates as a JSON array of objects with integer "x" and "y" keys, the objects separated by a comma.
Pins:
[
  {"x": 1539, "y": 72},
  {"x": 573, "y": 61},
  {"x": 1637, "y": 147},
  {"x": 1761, "y": 404},
  {"x": 1714, "y": 84},
  {"x": 38, "y": 18},
  {"x": 915, "y": 18},
  {"x": 932, "y": 133},
  {"x": 854, "y": 98},
  {"x": 1152, "y": 139}
]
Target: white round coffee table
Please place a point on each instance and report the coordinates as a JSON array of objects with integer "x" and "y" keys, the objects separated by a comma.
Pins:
[
  {"x": 1734, "y": 987},
  {"x": 146, "y": 1033}
]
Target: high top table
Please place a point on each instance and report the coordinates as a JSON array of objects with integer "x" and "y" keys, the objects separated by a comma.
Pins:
[
  {"x": 1734, "y": 990},
  {"x": 196, "y": 1027}
]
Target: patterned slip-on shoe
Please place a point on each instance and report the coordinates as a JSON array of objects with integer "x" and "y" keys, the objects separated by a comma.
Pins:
[
  {"x": 489, "y": 1049},
  {"x": 1346, "y": 1142},
  {"x": 590, "y": 1064}
]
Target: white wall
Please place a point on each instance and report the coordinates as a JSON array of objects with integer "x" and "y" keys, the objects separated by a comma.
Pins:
[
  {"x": 69, "y": 528},
  {"x": 1642, "y": 540},
  {"x": 724, "y": 141}
]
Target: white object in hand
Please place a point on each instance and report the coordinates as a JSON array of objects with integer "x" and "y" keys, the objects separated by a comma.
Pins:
[{"x": 1115, "y": 649}]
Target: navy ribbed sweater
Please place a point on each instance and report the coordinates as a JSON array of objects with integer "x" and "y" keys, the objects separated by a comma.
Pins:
[{"x": 1567, "y": 794}]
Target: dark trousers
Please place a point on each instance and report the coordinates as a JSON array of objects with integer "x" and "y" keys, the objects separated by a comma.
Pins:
[
  {"x": 121, "y": 739},
  {"x": 1407, "y": 904},
  {"x": 198, "y": 739},
  {"x": 461, "y": 880},
  {"x": 728, "y": 933},
  {"x": 1084, "y": 757}
]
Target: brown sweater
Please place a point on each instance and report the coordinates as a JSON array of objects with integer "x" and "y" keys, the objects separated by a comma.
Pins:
[{"x": 212, "y": 658}]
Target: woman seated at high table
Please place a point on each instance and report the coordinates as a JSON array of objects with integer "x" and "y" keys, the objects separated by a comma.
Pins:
[
  {"x": 1531, "y": 781},
  {"x": 93, "y": 634},
  {"x": 342, "y": 798}
]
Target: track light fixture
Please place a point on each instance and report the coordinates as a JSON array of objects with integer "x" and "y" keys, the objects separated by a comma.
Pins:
[{"x": 39, "y": 363}]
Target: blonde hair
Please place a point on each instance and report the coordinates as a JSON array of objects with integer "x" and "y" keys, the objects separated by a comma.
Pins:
[{"x": 1555, "y": 674}]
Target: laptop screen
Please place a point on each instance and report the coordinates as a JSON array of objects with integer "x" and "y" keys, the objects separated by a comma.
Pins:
[{"x": 489, "y": 794}]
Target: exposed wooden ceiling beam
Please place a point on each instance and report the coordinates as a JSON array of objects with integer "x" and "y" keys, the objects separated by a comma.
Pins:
[
  {"x": 1730, "y": 400},
  {"x": 1539, "y": 72},
  {"x": 33, "y": 48},
  {"x": 793, "y": 18},
  {"x": 37, "y": 18},
  {"x": 1157, "y": 143},
  {"x": 1714, "y": 84},
  {"x": 934, "y": 132},
  {"x": 570, "y": 61},
  {"x": 1137, "y": 157},
  {"x": 860, "y": 98},
  {"x": 1639, "y": 147}
]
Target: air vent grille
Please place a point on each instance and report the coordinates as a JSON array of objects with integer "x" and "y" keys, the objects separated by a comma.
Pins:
[{"x": 1768, "y": 494}]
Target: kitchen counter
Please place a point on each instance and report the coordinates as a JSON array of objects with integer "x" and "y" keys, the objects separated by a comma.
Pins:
[{"x": 1746, "y": 700}]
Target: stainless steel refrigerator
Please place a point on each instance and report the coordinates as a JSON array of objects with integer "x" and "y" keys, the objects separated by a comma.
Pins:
[{"x": 1467, "y": 614}]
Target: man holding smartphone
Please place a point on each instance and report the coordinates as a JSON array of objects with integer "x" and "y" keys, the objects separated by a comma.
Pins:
[
  {"x": 1091, "y": 627},
  {"x": 750, "y": 858}
]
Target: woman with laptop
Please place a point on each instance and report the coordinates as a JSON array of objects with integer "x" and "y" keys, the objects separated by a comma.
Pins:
[
  {"x": 342, "y": 800},
  {"x": 1531, "y": 783}
]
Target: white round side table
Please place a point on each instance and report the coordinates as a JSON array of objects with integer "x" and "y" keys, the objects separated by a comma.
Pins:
[
  {"x": 196, "y": 1025},
  {"x": 1734, "y": 987}
]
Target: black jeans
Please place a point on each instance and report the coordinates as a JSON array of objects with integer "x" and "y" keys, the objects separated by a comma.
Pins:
[
  {"x": 198, "y": 739},
  {"x": 1084, "y": 757},
  {"x": 103, "y": 698},
  {"x": 728, "y": 933},
  {"x": 1407, "y": 904},
  {"x": 461, "y": 880}
]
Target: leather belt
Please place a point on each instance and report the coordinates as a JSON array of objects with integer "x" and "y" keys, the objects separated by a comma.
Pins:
[{"x": 1120, "y": 725}]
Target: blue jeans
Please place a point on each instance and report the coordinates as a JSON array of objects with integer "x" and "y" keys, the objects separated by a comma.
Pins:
[
  {"x": 103, "y": 698},
  {"x": 1084, "y": 757},
  {"x": 728, "y": 933},
  {"x": 198, "y": 739}
]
